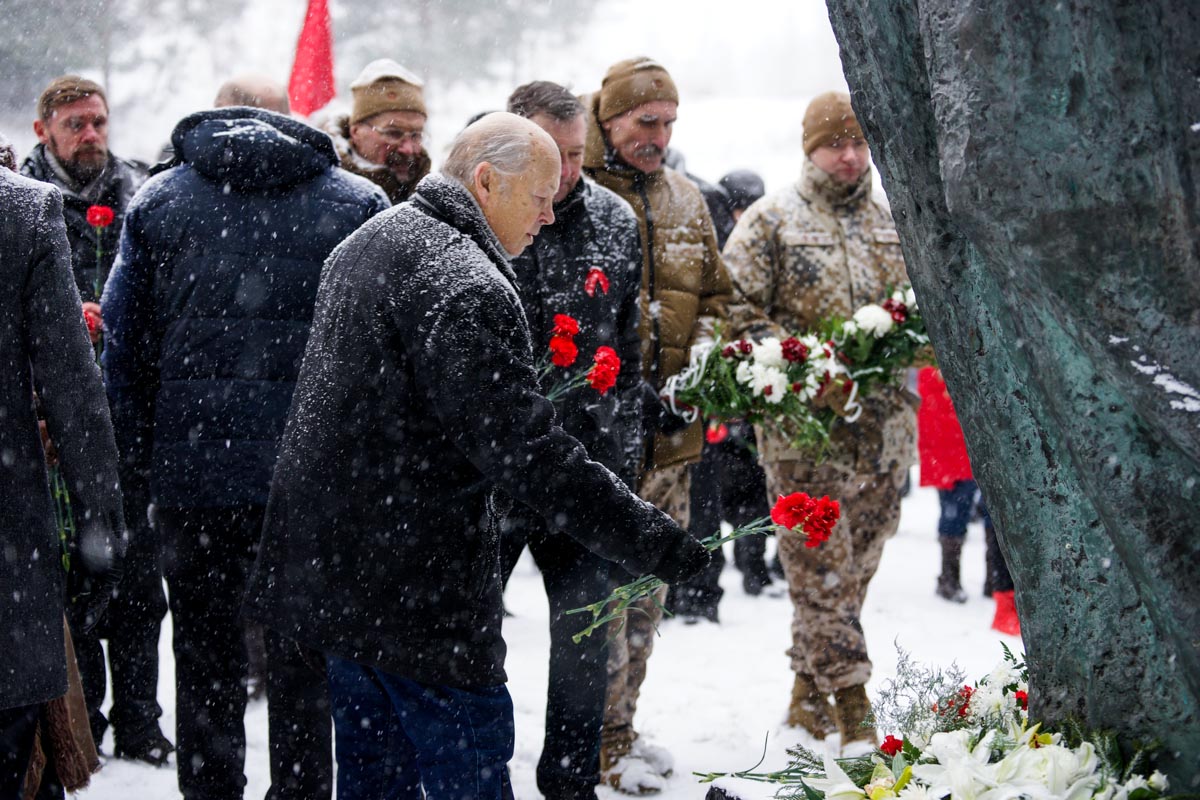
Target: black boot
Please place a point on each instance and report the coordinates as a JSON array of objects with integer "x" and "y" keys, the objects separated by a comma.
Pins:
[
  {"x": 949, "y": 586},
  {"x": 991, "y": 568}
]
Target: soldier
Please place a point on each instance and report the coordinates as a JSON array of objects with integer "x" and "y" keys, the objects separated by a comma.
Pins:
[
  {"x": 381, "y": 138},
  {"x": 818, "y": 248},
  {"x": 73, "y": 154},
  {"x": 684, "y": 290}
]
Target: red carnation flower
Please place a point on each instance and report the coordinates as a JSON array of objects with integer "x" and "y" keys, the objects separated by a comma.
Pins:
[
  {"x": 1022, "y": 698},
  {"x": 564, "y": 325},
  {"x": 716, "y": 433},
  {"x": 815, "y": 518},
  {"x": 745, "y": 347},
  {"x": 94, "y": 323},
  {"x": 891, "y": 745},
  {"x": 605, "y": 368},
  {"x": 898, "y": 310},
  {"x": 100, "y": 216},
  {"x": 595, "y": 277},
  {"x": 562, "y": 351},
  {"x": 729, "y": 351},
  {"x": 794, "y": 350}
]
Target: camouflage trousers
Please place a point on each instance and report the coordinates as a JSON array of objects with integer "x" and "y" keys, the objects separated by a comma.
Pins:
[
  {"x": 629, "y": 647},
  {"x": 828, "y": 584}
]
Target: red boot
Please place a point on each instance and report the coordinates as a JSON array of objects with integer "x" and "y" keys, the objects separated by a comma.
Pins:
[{"x": 1006, "y": 620}]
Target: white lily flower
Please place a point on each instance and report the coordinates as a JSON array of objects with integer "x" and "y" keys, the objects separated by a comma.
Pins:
[
  {"x": 910, "y": 299},
  {"x": 836, "y": 785},
  {"x": 961, "y": 771},
  {"x": 1158, "y": 782}
]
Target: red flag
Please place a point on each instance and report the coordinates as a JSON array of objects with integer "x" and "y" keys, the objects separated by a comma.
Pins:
[{"x": 311, "y": 84}]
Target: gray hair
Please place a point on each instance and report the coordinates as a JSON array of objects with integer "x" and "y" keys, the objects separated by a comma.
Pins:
[{"x": 509, "y": 150}]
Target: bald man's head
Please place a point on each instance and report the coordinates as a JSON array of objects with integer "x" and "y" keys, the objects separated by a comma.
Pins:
[
  {"x": 257, "y": 91},
  {"x": 511, "y": 167}
]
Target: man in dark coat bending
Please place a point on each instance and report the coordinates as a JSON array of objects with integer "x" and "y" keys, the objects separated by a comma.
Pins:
[{"x": 416, "y": 418}]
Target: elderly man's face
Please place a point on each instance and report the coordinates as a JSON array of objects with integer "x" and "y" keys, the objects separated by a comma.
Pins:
[
  {"x": 845, "y": 160},
  {"x": 392, "y": 139},
  {"x": 517, "y": 206},
  {"x": 77, "y": 135},
  {"x": 570, "y": 137},
  {"x": 641, "y": 135}
]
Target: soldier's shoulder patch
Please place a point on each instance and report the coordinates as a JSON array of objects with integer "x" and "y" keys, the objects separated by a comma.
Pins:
[
  {"x": 808, "y": 238},
  {"x": 886, "y": 236}
]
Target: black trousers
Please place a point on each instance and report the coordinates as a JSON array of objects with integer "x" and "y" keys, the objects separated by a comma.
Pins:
[
  {"x": 569, "y": 766},
  {"x": 207, "y": 555},
  {"x": 131, "y": 625},
  {"x": 17, "y": 727}
]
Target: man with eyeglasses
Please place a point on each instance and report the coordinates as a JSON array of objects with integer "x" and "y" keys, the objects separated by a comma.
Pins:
[
  {"x": 382, "y": 137},
  {"x": 72, "y": 154}
]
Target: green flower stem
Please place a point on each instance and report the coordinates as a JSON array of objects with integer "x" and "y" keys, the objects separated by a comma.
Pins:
[
  {"x": 62, "y": 514},
  {"x": 623, "y": 598}
]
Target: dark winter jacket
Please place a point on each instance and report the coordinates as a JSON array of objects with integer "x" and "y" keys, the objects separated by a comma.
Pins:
[
  {"x": 593, "y": 229},
  {"x": 44, "y": 347},
  {"x": 114, "y": 188},
  {"x": 416, "y": 402},
  {"x": 209, "y": 304}
]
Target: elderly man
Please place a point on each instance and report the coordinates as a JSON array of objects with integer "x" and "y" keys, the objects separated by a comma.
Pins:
[
  {"x": 256, "y": 91},
  {"x": 588, "y": 264},
  {"x": 684, "y": 290},
  {"x": 818, "y": 248},
  {"x": 72, "y": 154},
  {"x": 419, "y": 393},
  {"x": 209, "y": 308},
  {"x": 381, "y": 138},
  {"x": 44, "y": 347}
]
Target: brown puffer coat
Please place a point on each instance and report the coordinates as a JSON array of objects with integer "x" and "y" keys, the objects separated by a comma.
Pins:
[
  {"x": 815, "y": 250},
  {"x": 397, "y": 191},
  {"x": 685, "y": 287}
]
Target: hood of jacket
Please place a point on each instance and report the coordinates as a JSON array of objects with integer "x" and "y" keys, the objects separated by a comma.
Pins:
[{"x": 252, "y": 149}]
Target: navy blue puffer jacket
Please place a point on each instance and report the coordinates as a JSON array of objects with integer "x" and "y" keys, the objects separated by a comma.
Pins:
[{"x": 209, "y": 304}]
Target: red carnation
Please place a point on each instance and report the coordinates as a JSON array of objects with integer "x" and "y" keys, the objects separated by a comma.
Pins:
[
  {"x": 815, "y": 518},
  {"x": 716, "y": 432},
  {"x": 562, "y": 350},
  {"x": 891, "y": 745},
  {"x": 595, "y": 277},
  {"x": 729, "y": 351},
  {"x": 603, "y": 374},
  {"x": 899, "y": 311},
  {"x": 564, "y": 325},
  {"x": 94, "y": 323},
  {"x": 794, "y": 350},
  {"x": 100, "y": 216},
  {"x": 745, "y": 347},
  {"x": 1022, "y": 698}
]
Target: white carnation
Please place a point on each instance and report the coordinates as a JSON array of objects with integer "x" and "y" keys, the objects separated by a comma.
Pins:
[
  {"x": 849, "y": 328},
  {"x": 764, "y": 378},
  {"x": 769, "y": 353},
  {"x": 743, "y": 373},
  {"x": 874, "y": 319},
  {"x": 910, "y": 299}
]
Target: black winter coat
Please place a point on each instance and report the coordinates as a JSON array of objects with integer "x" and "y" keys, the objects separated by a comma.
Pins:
[
  {"x": 44, "y": 346},
  {"x": 114, "y": 188},
  {"x": 593, "y": 228},
  {"x": 208, "y": 307},
  {"x": 416, "y": 401}
]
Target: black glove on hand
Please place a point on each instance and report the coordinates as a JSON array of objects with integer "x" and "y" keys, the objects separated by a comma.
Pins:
[
  {"x": 658, "y": 418},
  {"x": 687, "y": 557},
  {"x": 97, "y": 566}
]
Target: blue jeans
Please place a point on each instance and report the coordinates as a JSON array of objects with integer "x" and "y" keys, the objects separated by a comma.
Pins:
[
  {"x": 396, "y": 736},
  {"x": 956, "y": 503}
]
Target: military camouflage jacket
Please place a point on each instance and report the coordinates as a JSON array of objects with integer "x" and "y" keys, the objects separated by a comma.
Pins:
[{"x": 811, "y": 251}]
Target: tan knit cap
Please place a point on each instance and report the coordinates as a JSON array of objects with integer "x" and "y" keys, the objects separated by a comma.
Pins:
[
  {"x": 384, "y": 85},
  {"x": 829, "y": 118},
  {"x": 632, "y": 82}
]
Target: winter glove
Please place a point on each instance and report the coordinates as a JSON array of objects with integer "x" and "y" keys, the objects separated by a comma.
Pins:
[
  {"x": 656, "y": 417},
  {"x": 97, "y": 565},
  {"x": 685, "y": 558}
]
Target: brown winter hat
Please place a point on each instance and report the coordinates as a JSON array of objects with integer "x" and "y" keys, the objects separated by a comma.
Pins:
[
  {"x": 384, "y": 85},
  {"x": 634, "y": 81},
  {"x": 64, "y": 90},
  {"x": 829, "y": 118}
]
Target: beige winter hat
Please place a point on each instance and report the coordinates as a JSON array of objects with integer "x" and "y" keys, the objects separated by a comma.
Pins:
[
  {"x": 384, "y": 85},
  {"x": 634, "y": 81},
  {"x": 829, "y": 118}
]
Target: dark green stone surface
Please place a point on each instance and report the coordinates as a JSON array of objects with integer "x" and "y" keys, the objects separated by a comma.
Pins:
[{"x": 1042, "y": 161}]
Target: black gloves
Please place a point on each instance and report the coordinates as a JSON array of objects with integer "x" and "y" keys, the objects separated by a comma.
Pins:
[
  {"x": 656, "y": 417},
  {"x": 687, "y": 557},
  {"x": 97, "y": 555}
]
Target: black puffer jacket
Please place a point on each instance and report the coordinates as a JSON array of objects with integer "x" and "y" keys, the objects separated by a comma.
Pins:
[
  {"x": 416, "y": 401},
  {"x": 44, "y": 346},
  {"x": 593, "y": 229},
  {"x": 114, "y": 188},
  {"x": 208, "y": 307}
]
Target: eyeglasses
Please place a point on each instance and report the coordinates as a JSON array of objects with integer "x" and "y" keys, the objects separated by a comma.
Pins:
[{"x": 399, "y": 136}]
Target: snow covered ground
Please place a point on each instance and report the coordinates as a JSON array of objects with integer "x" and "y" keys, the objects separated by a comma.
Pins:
[{"x": 714, "y": 693}]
